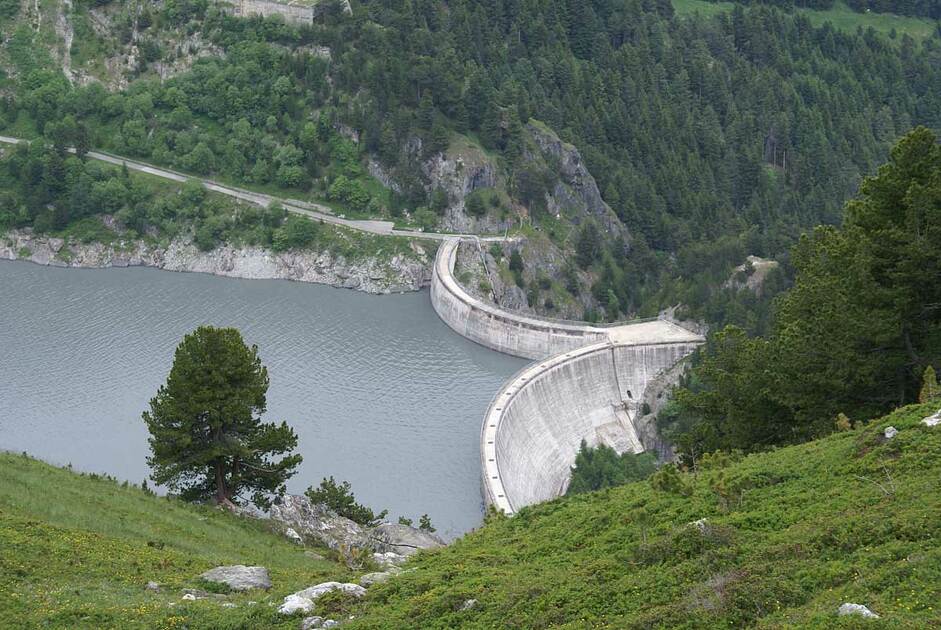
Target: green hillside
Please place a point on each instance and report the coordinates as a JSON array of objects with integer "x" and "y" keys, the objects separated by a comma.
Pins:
[
  {"x": 789, "y": 535},
  {"x": 76, "y": 552}
]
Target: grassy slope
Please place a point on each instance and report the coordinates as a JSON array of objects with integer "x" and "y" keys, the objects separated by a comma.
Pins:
[
  {"x": 813, "y": 530},
  {"x": 76, "y": 552},
  {"x": 807, "y": 537},
  {"x": 840, "y": 16}
]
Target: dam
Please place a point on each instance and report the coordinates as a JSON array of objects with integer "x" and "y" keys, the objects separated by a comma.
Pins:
[{"x": 588, "y": 382}]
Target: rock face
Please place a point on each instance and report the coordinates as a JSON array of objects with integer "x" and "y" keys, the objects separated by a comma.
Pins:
[
  {"x": 239, "y": 577},
  {"x": 371, "y": 275},
  {"x": 303, "y": 601},
  {"x": 575, "y": 189},
  {"x": 404, "y": 540},
  {"x": 460, "y": 171}
]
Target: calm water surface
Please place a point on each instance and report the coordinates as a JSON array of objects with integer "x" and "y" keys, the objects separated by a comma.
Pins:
[{"x": 378, "y": 389}]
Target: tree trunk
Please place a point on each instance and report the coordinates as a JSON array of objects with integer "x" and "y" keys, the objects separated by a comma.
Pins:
[{"x": 222, "y": 493}]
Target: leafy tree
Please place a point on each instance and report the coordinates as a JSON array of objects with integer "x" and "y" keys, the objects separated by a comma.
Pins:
[
  {"x": 206, "y": 438},
  {"x": 339, "y": 498}
]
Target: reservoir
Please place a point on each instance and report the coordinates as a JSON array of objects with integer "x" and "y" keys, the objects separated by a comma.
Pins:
[{"x": 380, "y": 392}]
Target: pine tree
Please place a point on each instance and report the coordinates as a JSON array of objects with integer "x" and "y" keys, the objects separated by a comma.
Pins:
[{"x": 206, "y": 438}]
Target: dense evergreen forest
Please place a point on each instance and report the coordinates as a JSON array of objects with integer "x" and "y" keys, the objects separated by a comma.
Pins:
[
  {"x": 858, "y": 333},
  {"x": 710, "y": 138},
  {"x": 926, "y": 8}
]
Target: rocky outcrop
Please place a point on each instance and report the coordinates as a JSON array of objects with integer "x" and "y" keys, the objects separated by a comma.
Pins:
[
  {"x": 403, "y": 539},
  {"x": 576, "y": 189},
  {"x": 315, "y": 522},
  {"x": 371, "y": 275},
  {"x": 239, "y": 577},
  {"x": 303, "y": 601}
]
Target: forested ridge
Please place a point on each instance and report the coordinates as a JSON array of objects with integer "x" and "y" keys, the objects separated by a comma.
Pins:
[{"x": 710, "y": 138}]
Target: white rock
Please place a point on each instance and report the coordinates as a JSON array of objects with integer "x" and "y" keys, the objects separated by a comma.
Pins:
[
  {"x": 932, "y": 421},
  {"x": 239, "y": 577},
  {"x": 702, "y": 525},
  {"x": 388, "y": 559},
  {"x": 890, "y": 432},
  {"x": 189, "y": 597},
  {"x": 857, "y": 609},
  {"x": 152, "y": 586},
  {"x": 309, "y": 623},
  {"x": 331, "y": 623},
  {"x": 292, "y": 534},
  {"x": 303, "y": 601},
  {"x": 375, "y": 578},
  {"x": 293, "y": 604},
  {"x": 228, "y": 605},
  {"x": 470, "y": 604}
]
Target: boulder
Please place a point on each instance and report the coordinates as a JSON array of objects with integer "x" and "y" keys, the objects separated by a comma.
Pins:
[
  {"x": 293, "y": 536},
  {"x": 404, "y": 540},
  {"x": 309, "y": 623},
  {"x": 933, "y": 420},
  {"x": 856, "y": 609},
  {"x": 388, "y": 559},
  {"x": 378, "y": 577},
  {"x": 890, "y": 432},
  {"x": 469, "y": 604},
  {"x": 152, "y": 586},
  {"x": 239, "y": 577},
  {"x": 317, "y": 522},
  {"x": 331, "y": 623},
  {"x": 303, "y": 601}
]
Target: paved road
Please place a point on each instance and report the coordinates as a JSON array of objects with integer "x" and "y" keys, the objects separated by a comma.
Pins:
[{"x": 297, "y": 206}]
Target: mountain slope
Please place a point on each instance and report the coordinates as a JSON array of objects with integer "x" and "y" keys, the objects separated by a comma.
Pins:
[{"x": 789, "y": 535}]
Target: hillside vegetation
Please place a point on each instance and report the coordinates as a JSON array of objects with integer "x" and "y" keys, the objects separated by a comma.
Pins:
[
  {"x": 788, "y": 536},
  {"x": 76, "y": 552}
]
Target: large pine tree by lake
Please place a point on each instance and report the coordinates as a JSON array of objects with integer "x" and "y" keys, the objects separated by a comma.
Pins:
[{"x": 207, "y": 440}]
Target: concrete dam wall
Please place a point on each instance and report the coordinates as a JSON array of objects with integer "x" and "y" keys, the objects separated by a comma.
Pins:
[
  {"x": 588, "y": 383},
  {"x": 536, "y": 422}
]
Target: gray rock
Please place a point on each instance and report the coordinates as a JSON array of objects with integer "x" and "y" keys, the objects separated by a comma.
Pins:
[
  {"x": 293, "y": 536},
  {"x": 152, "y": 586},
  {"x": 191, "y": 594},
  {"x": 377, "y": 578},
  {"x": 228, "y": 605},
  {"x": 309, "y": 623},
  {"x": 890, "y": 432},
  {"x": 303, "y": 601},
  {"x": 932, "y": 420},
  {"x": 388, "y": 559},
  {"x": 331, "y": 623},
  {"x": 404, "y": 540},
  {"x": 313, "y": 555},
  {"x": 239, "y": 577},
  {"x": 856, "y": 609},
  {"x": 469, "y": 604},
  {"x": 316, "y": 522}
]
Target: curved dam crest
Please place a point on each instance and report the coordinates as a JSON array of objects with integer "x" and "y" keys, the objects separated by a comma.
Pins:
[{"x": 588, "y": 383}]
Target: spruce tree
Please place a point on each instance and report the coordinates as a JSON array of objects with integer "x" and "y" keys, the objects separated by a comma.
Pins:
[
  {"x": 207, "y": 441},
  {"x": 930, "y": 390}
]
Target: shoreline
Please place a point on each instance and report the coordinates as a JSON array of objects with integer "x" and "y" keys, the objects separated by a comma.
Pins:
[{"x": 371, "y": 275}]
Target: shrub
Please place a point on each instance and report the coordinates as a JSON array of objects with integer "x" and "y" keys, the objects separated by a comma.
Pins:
[{"x": 339, "y": 498}]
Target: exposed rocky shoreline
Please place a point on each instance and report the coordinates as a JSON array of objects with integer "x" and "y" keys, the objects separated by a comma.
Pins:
[{"x": 397, "y": 274}]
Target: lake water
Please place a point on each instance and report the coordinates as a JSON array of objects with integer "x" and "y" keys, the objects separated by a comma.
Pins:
[{"x": 380, "y": 392}]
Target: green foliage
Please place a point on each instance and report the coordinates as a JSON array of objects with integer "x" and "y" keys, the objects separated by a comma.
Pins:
[
  {"x": 297, "y": 232},
  {"x": 804, "y": 530},
  {"x": 206, "y": 438},
  {"x": 930, "y": 390},
  {"x": 474, "y": 205},
  {"x": 339, "y": 498},
  {"x": 669, "y": 480},
  {"x": 601, "y": 467},
  {"x": 82, "y": 559},
  {"x": 854, "y": 333},
  {"x": 424, "y": 524}
]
